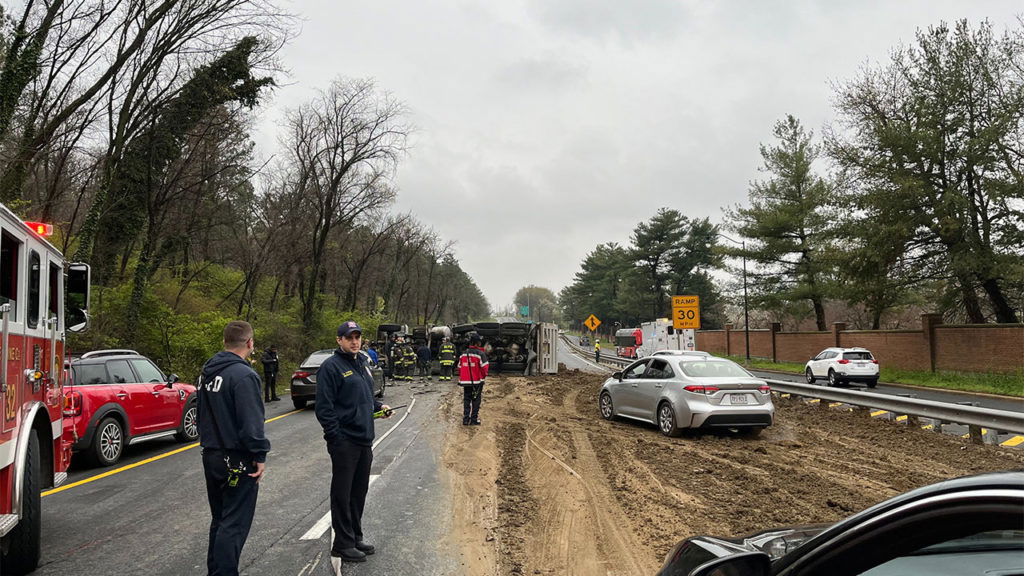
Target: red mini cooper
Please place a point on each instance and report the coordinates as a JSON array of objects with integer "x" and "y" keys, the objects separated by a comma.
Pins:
[{"x": 119, "y": 397}]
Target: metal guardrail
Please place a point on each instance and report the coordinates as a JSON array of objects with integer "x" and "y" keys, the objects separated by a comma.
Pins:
[{"x": 973, "y": 417}]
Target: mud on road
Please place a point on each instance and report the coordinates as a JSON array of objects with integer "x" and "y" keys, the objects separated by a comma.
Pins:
[{"x": 545, "y": 486}]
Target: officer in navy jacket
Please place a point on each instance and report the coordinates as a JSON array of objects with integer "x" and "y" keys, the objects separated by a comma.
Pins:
[
  {"x": 234, "y": 446},
  {"x": 344, "y": 406}
]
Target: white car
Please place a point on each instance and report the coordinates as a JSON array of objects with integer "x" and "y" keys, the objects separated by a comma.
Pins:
[
  {"x": 839, "y": 365},
  {"x": 696, "y": 353}
]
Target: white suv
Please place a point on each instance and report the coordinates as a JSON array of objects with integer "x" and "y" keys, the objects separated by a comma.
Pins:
[{"x": 839, "y": 365}]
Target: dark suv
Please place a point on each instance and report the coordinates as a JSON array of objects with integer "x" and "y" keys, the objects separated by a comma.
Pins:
[
  {"x": 120, "y": 397},
  {"x": 303, "y": 386}
]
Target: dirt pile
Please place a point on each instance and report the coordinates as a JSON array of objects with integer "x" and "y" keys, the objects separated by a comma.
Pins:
[{"x": 546, "y": 486}]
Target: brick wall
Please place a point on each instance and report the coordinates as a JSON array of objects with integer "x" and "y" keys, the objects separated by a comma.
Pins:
[
  {"x": 760, "y": 343},
  {"x": 906, "y": 349},
  {"x": 800, "y": 347},
  {"x": 710, "y": 341},
  {"x": 987, "y": 348},
  {"x": 965, "y": 348}
]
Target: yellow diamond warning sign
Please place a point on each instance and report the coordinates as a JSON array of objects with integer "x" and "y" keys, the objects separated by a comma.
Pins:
[{"x": 592, "y": 322}]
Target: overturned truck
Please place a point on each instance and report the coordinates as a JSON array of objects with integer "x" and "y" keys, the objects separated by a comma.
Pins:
[{"x": 515, "y": 346}]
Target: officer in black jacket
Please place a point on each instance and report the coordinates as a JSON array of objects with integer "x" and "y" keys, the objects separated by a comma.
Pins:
[
  {"x": 344, "y": 406},
  {"x": 234, "y": 446}
]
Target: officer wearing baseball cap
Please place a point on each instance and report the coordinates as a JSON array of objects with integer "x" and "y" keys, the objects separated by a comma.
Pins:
[{"x": 344, "y": 406}]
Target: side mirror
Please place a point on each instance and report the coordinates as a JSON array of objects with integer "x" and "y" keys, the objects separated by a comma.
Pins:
[
  {"x": 617, "y": 376},
  {"x": 77, "y": 297},
  {"x": 743, "y": 564},
  {"x": 172, "y": 379}
]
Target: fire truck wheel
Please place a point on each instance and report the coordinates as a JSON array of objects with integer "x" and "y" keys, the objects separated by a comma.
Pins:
[
  {"x": 189, "y": 431},
  {"x": 108, "y": 444},
  {"x": 21, "y": 545}
]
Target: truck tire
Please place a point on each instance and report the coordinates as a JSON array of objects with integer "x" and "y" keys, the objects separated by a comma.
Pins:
[{"x": 21, "y": 545}]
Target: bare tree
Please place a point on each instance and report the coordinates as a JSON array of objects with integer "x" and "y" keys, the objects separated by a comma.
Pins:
[{"x": 343, "y": 146}]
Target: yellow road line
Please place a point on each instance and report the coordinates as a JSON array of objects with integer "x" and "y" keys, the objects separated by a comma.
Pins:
[
  {"x": 968, "y": 435},
  {"x": 834, "y": 404},
  {"x": 927, "y": 426},
  {"x": 901, "y": 418},
  {"x": 142, "y": 462},
  {"x": 814, "y": 400},
  {"x": 1015, "y": 441},
  {"x": 879, "y": 412}
]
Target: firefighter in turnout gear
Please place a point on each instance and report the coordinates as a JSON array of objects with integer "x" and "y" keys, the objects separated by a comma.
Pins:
[
  {"x": 398, "y": 352},
  {"x": 409, "y": 359},
  {"x": 446, "y": 356}
]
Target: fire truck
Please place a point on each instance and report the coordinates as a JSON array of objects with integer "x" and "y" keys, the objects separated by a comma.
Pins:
[
  {"x": 659, "y": 335},
  {"x": 42, "y": 298},
  {"x": 627, "y": 340}
]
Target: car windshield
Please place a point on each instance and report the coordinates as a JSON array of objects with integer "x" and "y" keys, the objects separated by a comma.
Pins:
[
  {"x": 863, "y": 355},
  {"x": 712, "y": 369},
  {"x": 317, "y": 358},
  {"x": 993, "y": 540}
]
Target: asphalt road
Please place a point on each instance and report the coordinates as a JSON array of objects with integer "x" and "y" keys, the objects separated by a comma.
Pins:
[{"x": 149, "y": 514}]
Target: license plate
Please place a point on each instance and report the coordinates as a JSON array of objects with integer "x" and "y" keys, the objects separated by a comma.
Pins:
[{"x": 737, "y": 398}]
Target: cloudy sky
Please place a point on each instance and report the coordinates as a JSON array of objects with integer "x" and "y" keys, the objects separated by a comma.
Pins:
[{"x": 546, "y": 127}]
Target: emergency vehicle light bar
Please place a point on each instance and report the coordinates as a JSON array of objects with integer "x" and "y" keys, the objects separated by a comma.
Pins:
[{"x": 40, "y": 228}]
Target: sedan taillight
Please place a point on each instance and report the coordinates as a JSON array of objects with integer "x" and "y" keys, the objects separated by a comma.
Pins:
[
  {"x": 73, "y": 404},
  {"x": 701, "y": 389},
  {"x": 765, "y": 389},
  {"x": 301, "y": 374}
]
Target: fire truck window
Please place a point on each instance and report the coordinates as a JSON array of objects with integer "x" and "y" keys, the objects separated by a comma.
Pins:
[
  {"x": 120, "y": 372},
  {"x": 9, "y": 249},
  {"x": 86, "y": 374},
  {"x": 147, "y": 372},
  {"x": 56, "y": 273},
  {"x": 34, "y": 278}
]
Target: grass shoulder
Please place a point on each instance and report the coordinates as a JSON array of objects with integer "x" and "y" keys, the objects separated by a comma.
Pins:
[{"x": 987, "y": 383}]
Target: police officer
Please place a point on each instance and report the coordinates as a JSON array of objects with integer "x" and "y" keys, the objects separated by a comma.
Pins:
[
  {"x": 344, "y": 406},
  {"x": 446, "y": 357},
  {"x": 473, "y": 367},
  {"x": 270, "y": 362},
  {"x": 234, "y": 446}
]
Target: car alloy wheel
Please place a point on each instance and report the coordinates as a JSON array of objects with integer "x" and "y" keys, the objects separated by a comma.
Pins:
[
  {"x": 111, "y": 442},
  {"x": 189, "y": 424},
  {"x": 832, "y": 379},
  {"x": 607, "y": 411},
  {"x": 809, "y": 375},
  {"x": 667, "y": 420}
]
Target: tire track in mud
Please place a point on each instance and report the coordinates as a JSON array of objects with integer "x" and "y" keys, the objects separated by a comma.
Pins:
[{"x": 575, "y": 494}]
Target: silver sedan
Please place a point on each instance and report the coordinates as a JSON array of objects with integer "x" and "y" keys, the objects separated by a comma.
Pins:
[{"x": 677, "y": 392}]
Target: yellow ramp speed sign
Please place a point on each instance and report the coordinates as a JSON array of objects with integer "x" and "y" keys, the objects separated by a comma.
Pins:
[{"x": 686, "y": 312}]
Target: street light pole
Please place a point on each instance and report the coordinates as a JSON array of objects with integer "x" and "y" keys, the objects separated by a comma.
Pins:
[
  {"x": 746, "y": 310},
  {"x": 746, "y": 313}
]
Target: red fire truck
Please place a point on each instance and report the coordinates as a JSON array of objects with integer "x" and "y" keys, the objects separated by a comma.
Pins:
[
  {"x": 42, "y": 298},
  {"x": 627, "y": 340}
]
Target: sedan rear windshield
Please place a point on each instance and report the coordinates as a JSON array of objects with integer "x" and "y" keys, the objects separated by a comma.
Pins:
[
  {"x": 713, "y": 369},
  {"x": 865, "y": 355},
  {"x": 317, "y": 358}
]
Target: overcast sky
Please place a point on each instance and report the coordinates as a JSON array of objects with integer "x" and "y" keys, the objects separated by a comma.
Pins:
[{"x": 546, "y": 127}]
